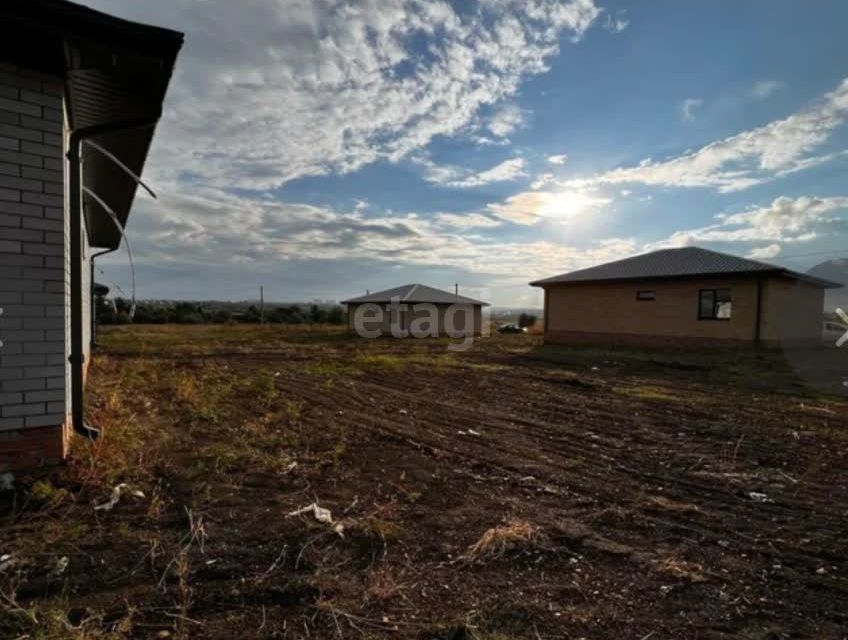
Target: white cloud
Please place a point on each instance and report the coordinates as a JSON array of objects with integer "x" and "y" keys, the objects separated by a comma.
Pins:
[
  {"x": 267, "y": 92},
  {"x": 559, "y": 159},
  {"x": 466, "y": 220},
  {"x": 505, "y": 120},
  {"x": 200, "y": 229},
  {"x": 529, "y": 207},
  {"x": 784, "y": 220},
  {"x": 768, "y": 252},
  {"x": 762, "y": 89},
  {"x": 689, "y": 106},
  {"x": 616, "y": 23},
  {"x": 542, "y": 180},
  {"x": 503, "y": 172},
  {"x": 453, "y": 176},
  {"x": 745, "y": 159}
]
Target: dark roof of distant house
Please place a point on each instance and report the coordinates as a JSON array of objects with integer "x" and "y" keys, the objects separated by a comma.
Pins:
[
  {"x": 115, "y": 72},
  {"x": 684, "y": 262},
  {"x": 415, "y": 293}
]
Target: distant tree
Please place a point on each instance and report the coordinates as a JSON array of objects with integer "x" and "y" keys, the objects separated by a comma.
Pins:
[
  {"x": 104, "y": 310},
  {"x": 336, "y": 315},
  {"x": 317, "y": 315},
  {"x": 122, "y": 305},
  {"x": 526, "y": 320},
  {"x": 222, "y": 316},
  {"x": 252, "y": 314}
]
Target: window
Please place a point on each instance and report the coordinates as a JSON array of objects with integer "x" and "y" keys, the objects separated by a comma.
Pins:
[
  {"x": 714, "y": 304},
  {"x": 646, "y": 295}
]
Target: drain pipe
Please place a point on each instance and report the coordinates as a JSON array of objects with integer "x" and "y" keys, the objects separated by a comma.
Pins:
[
  {"x": 77, "y": 356},
  {"x": 93, "y": 301}
]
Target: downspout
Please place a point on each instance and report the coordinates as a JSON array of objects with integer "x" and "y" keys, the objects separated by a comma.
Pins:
[
  {"x": 93, "y": 302},
  {"x": 77, "y": 356},
  {"x": 758, "y": 329}
]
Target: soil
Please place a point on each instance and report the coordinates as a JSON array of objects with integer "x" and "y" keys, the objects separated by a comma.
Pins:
[{"x": 669, "y": 497}]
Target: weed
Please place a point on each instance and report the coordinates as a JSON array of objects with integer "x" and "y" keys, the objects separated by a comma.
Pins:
[
  {"x": 513, "y": 535},
  {"x": 48, "y": 496},
  {"x": 383, "y": 361}
]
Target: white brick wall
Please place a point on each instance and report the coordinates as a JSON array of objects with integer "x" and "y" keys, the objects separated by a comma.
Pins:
[{"x": 33, "y": 251}]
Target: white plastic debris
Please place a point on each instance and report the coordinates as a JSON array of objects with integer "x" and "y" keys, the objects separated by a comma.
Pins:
[
  {"x": 320, "y": 513},
  {"x": 60, "y": 566},
  {"x": 759, "y": 497},
  {"x": 7, "y": 561},
  {"x": 471, "y": 432},
  {"x": 7, "y": 482},
  {"x": 116, "y": 496},
  {"x": 403, "y": 412}
]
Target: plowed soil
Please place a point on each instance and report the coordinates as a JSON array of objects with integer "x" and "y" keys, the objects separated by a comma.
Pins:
[{"x": 625, "y": 494}]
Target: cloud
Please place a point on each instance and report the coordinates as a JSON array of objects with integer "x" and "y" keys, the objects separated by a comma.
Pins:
[
  {"x": 210, "y": 227},
  {"x": 784, "y": 220},
  {"x": 616, "y": 23},
  {"x": 466, "y": 220},
  {"x": 529, "y": 207},
  {"x": 559, "y": 159},
  {"x": 267, "y": 92},
  {"x": 745, "y": 159},
  {"x": 542, "y": 180},
  {"x": 762, "y": 89},
  {"x": 503, "y": 172},
  {"x": 505, "y": 120},
  {"x": 768, "y": 252},
  {"x": 453, "y": 176},
  {"x": 688, "y": 108}
]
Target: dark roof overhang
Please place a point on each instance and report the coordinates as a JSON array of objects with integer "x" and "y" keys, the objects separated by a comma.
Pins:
[
  {"x": 115, "y": 71},
  {"x": 724, "y": 275}
]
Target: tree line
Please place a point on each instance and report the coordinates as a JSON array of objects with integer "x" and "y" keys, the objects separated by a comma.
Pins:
[{"x": 118, "y": 311}]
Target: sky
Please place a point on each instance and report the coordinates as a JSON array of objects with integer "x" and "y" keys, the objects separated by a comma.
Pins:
[{"x": 323, "y": 148}]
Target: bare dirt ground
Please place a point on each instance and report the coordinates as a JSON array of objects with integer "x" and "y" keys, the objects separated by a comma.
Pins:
[{"x": 514, "y": 491}]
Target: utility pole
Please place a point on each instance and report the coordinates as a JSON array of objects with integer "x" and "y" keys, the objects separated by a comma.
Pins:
[{"x": 261, "y": 304}]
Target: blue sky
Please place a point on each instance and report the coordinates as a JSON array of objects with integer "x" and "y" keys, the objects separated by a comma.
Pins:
[{"x": 324, "y": 148}]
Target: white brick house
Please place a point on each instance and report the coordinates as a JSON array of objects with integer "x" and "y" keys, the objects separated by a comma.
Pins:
[{"x": 69, "y": 77}]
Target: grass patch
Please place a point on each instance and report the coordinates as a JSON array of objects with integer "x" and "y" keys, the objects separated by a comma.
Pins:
[
  {"x": 384, "y": 361},
  {"x": 512, "y": 536},
  {"x": 648, "y": 392}
]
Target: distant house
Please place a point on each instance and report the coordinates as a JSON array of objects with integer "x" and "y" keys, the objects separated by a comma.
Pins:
[
  {"x": 80, "y": 95},
  {"x": 684, "y": 296},
  {"x": 408, "y": 308}
]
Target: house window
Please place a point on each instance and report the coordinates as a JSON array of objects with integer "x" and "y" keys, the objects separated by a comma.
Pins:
[
  {"x": 646, "y": 295},
  {"x": 714, "y": 304}
]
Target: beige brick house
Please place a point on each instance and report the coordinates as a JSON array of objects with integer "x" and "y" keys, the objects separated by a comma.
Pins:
[
  {"x": 684, "y": 296},
  {"x": 80, "y": 95}
]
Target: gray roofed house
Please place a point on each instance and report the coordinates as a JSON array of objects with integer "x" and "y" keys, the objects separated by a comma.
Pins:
[
  {"x": 378, "y": 312},
  {"x": 686, "y": 295},
  {"x": 412, "y": 293}
]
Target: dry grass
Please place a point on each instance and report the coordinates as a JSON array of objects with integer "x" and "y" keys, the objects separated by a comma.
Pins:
[{"x": 514, "y": 535}]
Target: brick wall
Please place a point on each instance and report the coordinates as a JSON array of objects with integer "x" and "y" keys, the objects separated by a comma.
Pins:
[
  {"x": 612, "y": 308},
  {"x": 32, "y": 266}
]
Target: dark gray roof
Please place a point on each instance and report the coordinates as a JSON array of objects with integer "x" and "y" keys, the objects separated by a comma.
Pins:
[
  {"x": 415, "y": 293},
  {"x": 684, "y": 262}
]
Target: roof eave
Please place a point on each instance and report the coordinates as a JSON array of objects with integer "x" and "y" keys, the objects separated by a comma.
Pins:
[
  {"x": 826, "y": 284},
  {"x": 114, "y": 71}
]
